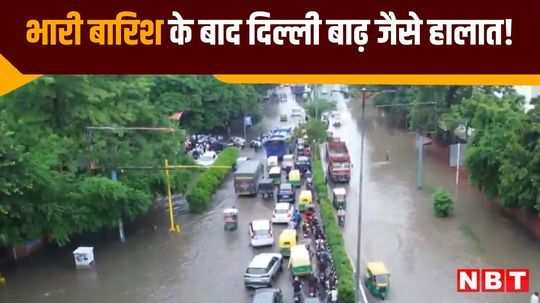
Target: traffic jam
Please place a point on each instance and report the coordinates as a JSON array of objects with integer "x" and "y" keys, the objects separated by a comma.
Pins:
[{"x": 299, "y": 250}]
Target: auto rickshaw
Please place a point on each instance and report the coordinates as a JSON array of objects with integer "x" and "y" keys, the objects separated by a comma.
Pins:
[
  {"x": 305, "y": 200},
  {"x": 339, "y": 197},
  {"x": 295, "y": 177},
  {"x": 300, "y": 261},
  {"x": 266, "y": 188},
  {"x": 287, "y": 239},
  {"x": 275, "y": 175},
  {"x": 377, "y": 279},
  {"x": 230, "y": 216}
]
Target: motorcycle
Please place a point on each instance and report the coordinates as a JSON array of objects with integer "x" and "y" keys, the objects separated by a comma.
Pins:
[
  {"x": 309, "y": 183},
  {"x": 341, "y": 221}
]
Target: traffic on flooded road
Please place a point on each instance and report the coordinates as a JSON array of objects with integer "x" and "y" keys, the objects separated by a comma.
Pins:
[{"x": 263, "y": 240}]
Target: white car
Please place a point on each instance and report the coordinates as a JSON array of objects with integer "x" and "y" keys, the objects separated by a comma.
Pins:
[
  {"x": 283, "y": 213},
  {"x": 238, "y": 141},
  {"x": 260, "y": 233},
  {"x": 207, "y": 159},
  {"x": 288, "y": 162}
]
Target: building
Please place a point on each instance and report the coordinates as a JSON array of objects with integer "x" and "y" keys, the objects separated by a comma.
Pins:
[{"x": 528, "y": 92}]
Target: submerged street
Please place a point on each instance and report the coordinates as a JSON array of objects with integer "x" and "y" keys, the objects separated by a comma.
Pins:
[
  {"x": 205, "y": 264},
  {"x": 421, "y": 251}
]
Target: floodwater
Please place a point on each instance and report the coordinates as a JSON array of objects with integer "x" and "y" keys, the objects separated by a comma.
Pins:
[
  {"x": 205, "y": 264},
  {"x": 399, "y": 228},
  {"x": 201, "y": 264}
]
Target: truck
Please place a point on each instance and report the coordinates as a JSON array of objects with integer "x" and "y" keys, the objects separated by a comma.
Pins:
[
  {"x": 247, "y": 176},
  {"x": 338, "y": 159}
]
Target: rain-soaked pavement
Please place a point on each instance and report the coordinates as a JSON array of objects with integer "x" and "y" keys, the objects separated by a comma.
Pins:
[
  {"x": 202, "y": 264},
  {"x": 422, "y": 251},
  {"x": 205, "y": 264}
]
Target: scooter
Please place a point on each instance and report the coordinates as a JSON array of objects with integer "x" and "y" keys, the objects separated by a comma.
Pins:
[{"x": 309, "y": 183}]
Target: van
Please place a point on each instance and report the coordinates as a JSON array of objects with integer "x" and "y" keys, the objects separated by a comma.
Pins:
[
  {"x": 246, "y": 177},
  {"x": 260, "y": 233}
]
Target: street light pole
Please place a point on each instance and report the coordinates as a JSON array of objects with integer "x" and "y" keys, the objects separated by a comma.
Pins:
[
  {"x": 360, "y": 190},
  {"x": 114, "y": 177}
]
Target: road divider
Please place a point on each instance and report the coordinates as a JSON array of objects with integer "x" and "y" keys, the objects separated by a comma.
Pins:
[
  {"x": 200, "y": 196},
  {"x": 334, "y": 236}
]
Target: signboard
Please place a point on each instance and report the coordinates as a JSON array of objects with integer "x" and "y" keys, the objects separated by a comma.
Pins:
[{"x": 453, "y": 155}]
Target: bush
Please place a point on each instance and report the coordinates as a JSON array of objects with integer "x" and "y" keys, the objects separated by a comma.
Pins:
[
  {"x": 206, "y": 184},
  {"x": 442, "y": 203},
  {"x": 334, "y": 236}
]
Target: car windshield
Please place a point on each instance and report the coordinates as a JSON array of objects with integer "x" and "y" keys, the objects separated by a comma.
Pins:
[
  {"x": 262, "y": 233},
  {"x": 256, "y": 271},
  {"x": 383, "y": 279}
]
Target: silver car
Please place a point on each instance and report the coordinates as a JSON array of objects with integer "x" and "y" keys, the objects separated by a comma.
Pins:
[{"x": 262, "y": 269}]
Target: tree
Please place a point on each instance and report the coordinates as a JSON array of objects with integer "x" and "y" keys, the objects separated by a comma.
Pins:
[
  {"x": 497, "y": 122},
  {"x": 317, "y": 107},
  {"x": 316, "y": 131}
]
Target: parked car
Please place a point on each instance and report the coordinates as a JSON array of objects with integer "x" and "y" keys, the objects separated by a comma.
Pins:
[
  {"x": 283, "y": 118},
  {"x": 238, "y": 142},
  {"x": 262, "y": 269},
  {"x": 283, "y": 212},
  {"x": 207, "y": 159},
  {"x": 268, "y": 295},
  {"x": 286, "y": 193},
  {"x": 260, "y": 233}
]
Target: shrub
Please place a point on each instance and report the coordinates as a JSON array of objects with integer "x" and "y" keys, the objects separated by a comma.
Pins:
[
  {"x": 442, "y": 203},
  {"x": 206, "y": 184},
  {"x": 334, "y": 236}
]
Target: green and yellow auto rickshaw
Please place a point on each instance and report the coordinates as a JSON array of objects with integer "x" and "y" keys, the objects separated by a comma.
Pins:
[
  {"x": 339, "y": 197},
  {"x": 377, "y": 280},
  {"x": 300, "y": 261},
  {"x": 275, "y": 175},
  {"x": 295, "y": 178},
  {"x": 287, "y": 239}
]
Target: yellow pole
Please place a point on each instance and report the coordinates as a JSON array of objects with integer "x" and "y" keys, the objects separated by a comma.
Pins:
[{"x": 174, "y": 227}]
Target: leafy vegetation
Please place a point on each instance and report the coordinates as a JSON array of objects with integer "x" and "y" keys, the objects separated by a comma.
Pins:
[
  {"x": 316, "y": 131},
  {"x": 315, "y": 108},
  {"x": 334, "y": 236},
  {"x": 207, "y": 183},
  {"x": 442, "y": 203},
  {"x": 55, "y": 173},
  {"x": 503, "y": 154}
]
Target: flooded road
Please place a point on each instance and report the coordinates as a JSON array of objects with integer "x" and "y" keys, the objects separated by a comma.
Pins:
[
  {"x": 399, "y": 228},
  {"x": 201, "y": 264},
  {"x": 206, "y": 264}
]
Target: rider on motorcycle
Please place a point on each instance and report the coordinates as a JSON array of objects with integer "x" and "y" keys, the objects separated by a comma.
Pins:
[{"x": 341, "y": 215}]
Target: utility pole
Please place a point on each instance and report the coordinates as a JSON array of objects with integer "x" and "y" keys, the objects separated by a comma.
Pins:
[
  {"x": 419, "y": 142},
  {"x": 114, "y": 177},
  {"x": 458, "y": 162},
  {"x": 360, "y": 192}
]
